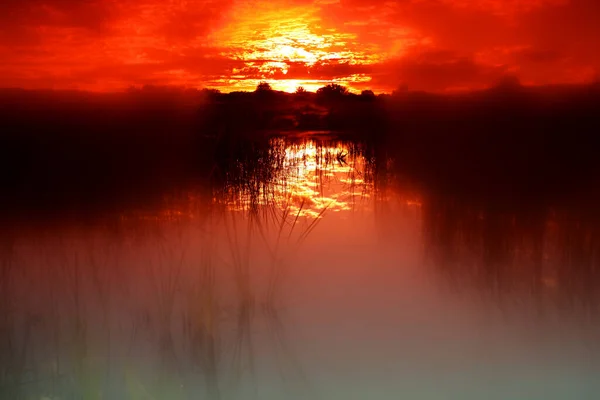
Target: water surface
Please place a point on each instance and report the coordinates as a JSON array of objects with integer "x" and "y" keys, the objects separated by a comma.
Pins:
[{"x": 313, "y": 271}]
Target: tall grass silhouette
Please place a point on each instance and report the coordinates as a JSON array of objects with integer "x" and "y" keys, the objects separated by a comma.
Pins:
[{"x": 140, "y": 305}]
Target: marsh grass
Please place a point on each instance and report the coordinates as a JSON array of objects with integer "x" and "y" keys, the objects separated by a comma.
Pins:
[
  {"x": 100, "y": 344},
  {"x": 245, "y": 233},
  {"x": 542, "y": 259},
  {"x": 201, "y": 317},
  {"x": 7, "y": 314},
  {"x": 265, "y": 230},
  {"x": 17, "y": 326},
  {"x": 84, "y": 365},
  {"x": 118, "y": 325}
]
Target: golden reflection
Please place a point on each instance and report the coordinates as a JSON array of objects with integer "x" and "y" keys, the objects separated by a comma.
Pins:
[
  {"x": 304, "y": 177},
  {"x": 320, "y": 177},
  {"x": 314, "y": 177}
]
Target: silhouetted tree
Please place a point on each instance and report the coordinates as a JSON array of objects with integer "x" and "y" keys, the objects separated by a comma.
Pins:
[
  {"x": 333, "y": 89},
  {"x": 263, "y": 87},
  {"x": 301, "y": 93},
  {"x": 265, "y": 92},
  {"x": 331, "y": 92},
  {"x": 367, "y": 95}
]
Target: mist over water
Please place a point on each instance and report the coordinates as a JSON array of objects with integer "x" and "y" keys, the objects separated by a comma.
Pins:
[{"x": 314, "y": 269}]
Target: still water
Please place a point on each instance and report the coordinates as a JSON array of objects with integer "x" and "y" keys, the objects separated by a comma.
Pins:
[{"x": 314, "y": 278}]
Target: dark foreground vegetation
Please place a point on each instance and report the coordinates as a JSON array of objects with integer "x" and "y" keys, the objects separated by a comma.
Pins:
[{"x": 81, "y": 151}]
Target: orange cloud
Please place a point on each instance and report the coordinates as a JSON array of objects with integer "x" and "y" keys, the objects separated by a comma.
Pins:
[{"x": 430, "y": 45}]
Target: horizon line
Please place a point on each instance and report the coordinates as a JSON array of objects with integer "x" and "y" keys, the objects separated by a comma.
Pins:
[{"x": 180, "y": 88}]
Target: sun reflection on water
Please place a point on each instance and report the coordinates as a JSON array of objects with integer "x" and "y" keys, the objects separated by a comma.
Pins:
[
  {"x": 298, "y": 177},
  {"x": 323, "y": 176},
  {"x": 312, "y": 177}
]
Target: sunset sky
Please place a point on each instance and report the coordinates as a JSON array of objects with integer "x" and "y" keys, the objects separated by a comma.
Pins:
[{"x": 434, "y": 45}]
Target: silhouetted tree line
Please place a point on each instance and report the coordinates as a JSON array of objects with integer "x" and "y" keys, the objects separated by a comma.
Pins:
[{"x": 332, "y": 107}]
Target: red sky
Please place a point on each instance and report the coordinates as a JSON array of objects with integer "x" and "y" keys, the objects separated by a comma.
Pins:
[{"x": 435, "y": 45}]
